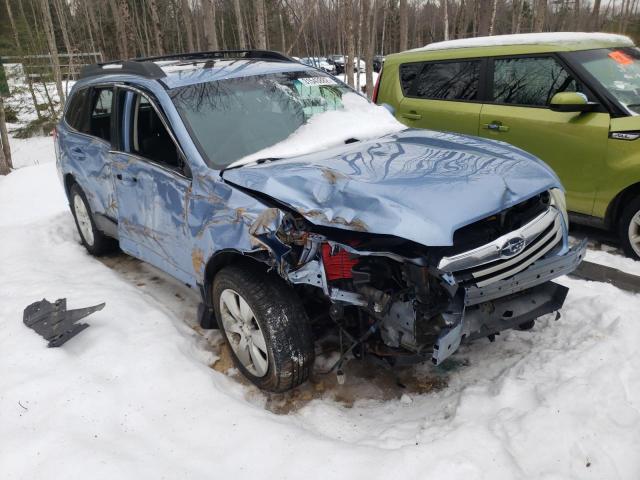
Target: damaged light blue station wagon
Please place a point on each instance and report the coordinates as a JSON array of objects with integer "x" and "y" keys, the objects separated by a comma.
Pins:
[{"x": 302, "y": 212}]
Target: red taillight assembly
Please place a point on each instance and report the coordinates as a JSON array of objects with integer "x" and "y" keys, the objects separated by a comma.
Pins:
[
  {"x": 374, "y": 97},
  {"x": 337, "y": 264}
]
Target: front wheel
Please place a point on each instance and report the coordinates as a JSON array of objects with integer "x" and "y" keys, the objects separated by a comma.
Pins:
[
  {"x": 629, "y": 229},
  {"x": 265, "y": 325}
]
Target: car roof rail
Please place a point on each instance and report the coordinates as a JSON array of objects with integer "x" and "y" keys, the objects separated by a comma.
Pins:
[
  {"x": 146, "y": 66},
  {"x": 132, "y": 67},
  {"x": 214, "y": 54}
]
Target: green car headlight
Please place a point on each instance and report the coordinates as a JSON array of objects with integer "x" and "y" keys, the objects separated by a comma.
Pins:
[{"x": 559, "y": 201}]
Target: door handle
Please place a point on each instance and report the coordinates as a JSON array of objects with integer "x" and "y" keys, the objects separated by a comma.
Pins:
[
  {"x": 411, "y": 116},
  {"x": 125, "y": 179},
  {"x": 496, "y": 127},
  {"x": 78, "y": 153}
]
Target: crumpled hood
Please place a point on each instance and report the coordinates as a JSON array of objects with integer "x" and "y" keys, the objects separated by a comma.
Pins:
[{"x": 420, "y": 185}]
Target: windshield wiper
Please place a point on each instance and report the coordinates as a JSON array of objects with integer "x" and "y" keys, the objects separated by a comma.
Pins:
[{"x": 259, "y": 161}]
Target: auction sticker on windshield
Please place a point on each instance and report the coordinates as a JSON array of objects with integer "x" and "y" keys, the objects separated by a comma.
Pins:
[{"x": 314, "y": 81}]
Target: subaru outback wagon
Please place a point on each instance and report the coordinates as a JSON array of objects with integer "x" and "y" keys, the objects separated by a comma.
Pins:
[
  {"x": 572, "y": 99},
  {"x": 300, "y": 210}
]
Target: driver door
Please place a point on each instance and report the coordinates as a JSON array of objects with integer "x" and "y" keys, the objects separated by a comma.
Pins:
[
  {"x": 152, "y": 186},
  {"x": 573, "y": 144}
]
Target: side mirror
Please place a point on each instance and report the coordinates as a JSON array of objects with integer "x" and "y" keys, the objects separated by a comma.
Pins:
[{"x": 571, "y": 102}]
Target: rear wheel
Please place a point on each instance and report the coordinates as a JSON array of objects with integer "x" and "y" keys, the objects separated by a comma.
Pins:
[
  {"x": 629, "y": 229},
  {"x": 96, "y": 242},
  {"x": 266, "y": 327}
]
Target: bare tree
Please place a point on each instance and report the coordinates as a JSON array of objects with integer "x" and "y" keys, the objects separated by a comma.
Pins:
[
  {"x": 188, "y": 24},
  {"x": 20, "y": 52},
  {"x": 210, "y": 30},
  {"x": 404, "y": 26},
  {"x": 156, "y": 27},
  {"x": 240, "y": 23},
  {"x": 5, "y": 151},
  {"x": 351, "y": 47},
  {"x": 446, "y": 18},
  {"x": 53, "y": 48},
  {"x": 261, "y": 35},
  {"x": 368, "y": 37}
]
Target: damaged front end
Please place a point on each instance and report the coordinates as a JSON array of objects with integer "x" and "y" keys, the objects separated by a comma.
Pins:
[{"x": 409, "y": 299}]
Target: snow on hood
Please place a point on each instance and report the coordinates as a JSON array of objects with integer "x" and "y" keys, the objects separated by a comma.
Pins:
[
  {"x": 417, "y": 184},
  {"x": 529, "y": 39},
  {"x": 359, "y": 119}
]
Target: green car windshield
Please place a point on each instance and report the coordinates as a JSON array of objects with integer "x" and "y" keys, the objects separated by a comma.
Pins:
[
  {"x": 231, "y": 119},
  {"x": 618, "y": 70}
]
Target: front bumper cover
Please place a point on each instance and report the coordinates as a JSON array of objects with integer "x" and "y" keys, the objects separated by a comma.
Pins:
[{"x": 509, "y": 303}]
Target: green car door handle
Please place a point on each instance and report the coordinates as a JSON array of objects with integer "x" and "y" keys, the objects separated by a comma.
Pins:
[
  {"x": 411, "y": 116},
  {"x": 496, "y": 127}
]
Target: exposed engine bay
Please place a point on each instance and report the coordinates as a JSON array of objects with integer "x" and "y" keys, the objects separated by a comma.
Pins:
[{"x": 394, "y": 297}]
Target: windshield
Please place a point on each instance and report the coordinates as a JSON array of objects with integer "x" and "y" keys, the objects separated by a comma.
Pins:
[
  {"x": 618, "y": 70},
  {"x": 240, "y": 120}
]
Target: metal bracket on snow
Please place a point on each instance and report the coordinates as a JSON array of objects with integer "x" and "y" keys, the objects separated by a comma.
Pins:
[{"x": 54, "y": 322}]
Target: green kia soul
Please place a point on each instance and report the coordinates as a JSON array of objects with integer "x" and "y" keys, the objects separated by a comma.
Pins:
[{"x": 572, "y": 99}]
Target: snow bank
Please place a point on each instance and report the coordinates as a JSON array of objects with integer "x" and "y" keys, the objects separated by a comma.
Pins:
[
  {"x": 133, "y": 396},
  {"x": 529, "y": 38},
  {"x": 359, "y": 119}
]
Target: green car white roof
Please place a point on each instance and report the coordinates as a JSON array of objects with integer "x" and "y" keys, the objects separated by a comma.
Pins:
[{"x": 516, "y": 44}]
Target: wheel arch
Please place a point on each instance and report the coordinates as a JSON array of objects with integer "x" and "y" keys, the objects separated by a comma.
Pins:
[
  {"x": 69, "y": 180},
  {"x": 217, "y": 261},
  {"x": 616, "y": 206}
]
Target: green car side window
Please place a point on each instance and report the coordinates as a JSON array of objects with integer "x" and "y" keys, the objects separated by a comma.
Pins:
[
  {"x": 441, "y": 80},
  {"x": 530, "y": 81}
]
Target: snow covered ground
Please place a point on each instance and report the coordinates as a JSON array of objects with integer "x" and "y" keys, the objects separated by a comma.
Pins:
[{"x": 134, "y": 396}]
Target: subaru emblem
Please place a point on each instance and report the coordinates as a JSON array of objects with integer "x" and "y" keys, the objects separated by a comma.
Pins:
[{"x": 512, "y": 247}]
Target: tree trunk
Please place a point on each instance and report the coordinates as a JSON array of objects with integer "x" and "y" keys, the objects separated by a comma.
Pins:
[
  {"x": 156, "y": 27},
  {"x": 210, "y": 30},
  {"x": 188, "y": 24},
  {"x": 368, "y": 10},
  {"x": 351, "y": 47},
  {"x": 404, "y": 26},
  {"x": 540, "y": 17},
  {"x": 53, "y": 48},
  {"x": 283, "y": 46},
  {"x": 5, "y": 151},
  {"x": 260, "y": 30},
  {"x": 445, "y": 10},
  {"x": 21, "y": 54},
  {"x": 62, "y": 19},
  {"x": 241, "y": 36},
  {"x": 494, "y": 10},
  {"x": 594, "y": 21}
]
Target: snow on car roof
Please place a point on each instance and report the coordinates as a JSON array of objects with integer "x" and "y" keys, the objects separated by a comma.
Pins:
[{"x": 554, "y": 38}]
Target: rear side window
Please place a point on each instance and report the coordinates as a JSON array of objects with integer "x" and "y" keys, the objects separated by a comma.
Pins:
[
  {"x": 100, "y": 118},
  {"x": 408, "y": 73},
  {"x": 530, "y": 81},
  {"x": 77, "y": 114},
  {"x": 447, "y": 81}
]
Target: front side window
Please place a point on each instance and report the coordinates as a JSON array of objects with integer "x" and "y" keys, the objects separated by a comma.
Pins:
[
  {"x": 530, "y": 81},
  {"x": 234, "y": 118},
  {"x": 447, "y": 81},
  {"x": 617, "y": 70},
  {"x": 100, "y": 117},
  {"x": 148, "y": 137}
]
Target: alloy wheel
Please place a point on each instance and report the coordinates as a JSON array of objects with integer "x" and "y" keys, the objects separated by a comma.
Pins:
[{"x": 244, "y": 333}]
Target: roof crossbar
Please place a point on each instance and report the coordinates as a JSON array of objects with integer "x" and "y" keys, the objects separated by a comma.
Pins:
[{"x": 146, "y": 66}]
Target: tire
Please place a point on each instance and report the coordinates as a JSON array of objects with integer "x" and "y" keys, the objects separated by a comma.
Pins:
[
  {"x": 284, "y": 359},
  {"x": 629, "y": 228},
  {"x": 96, "y": 242}
]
